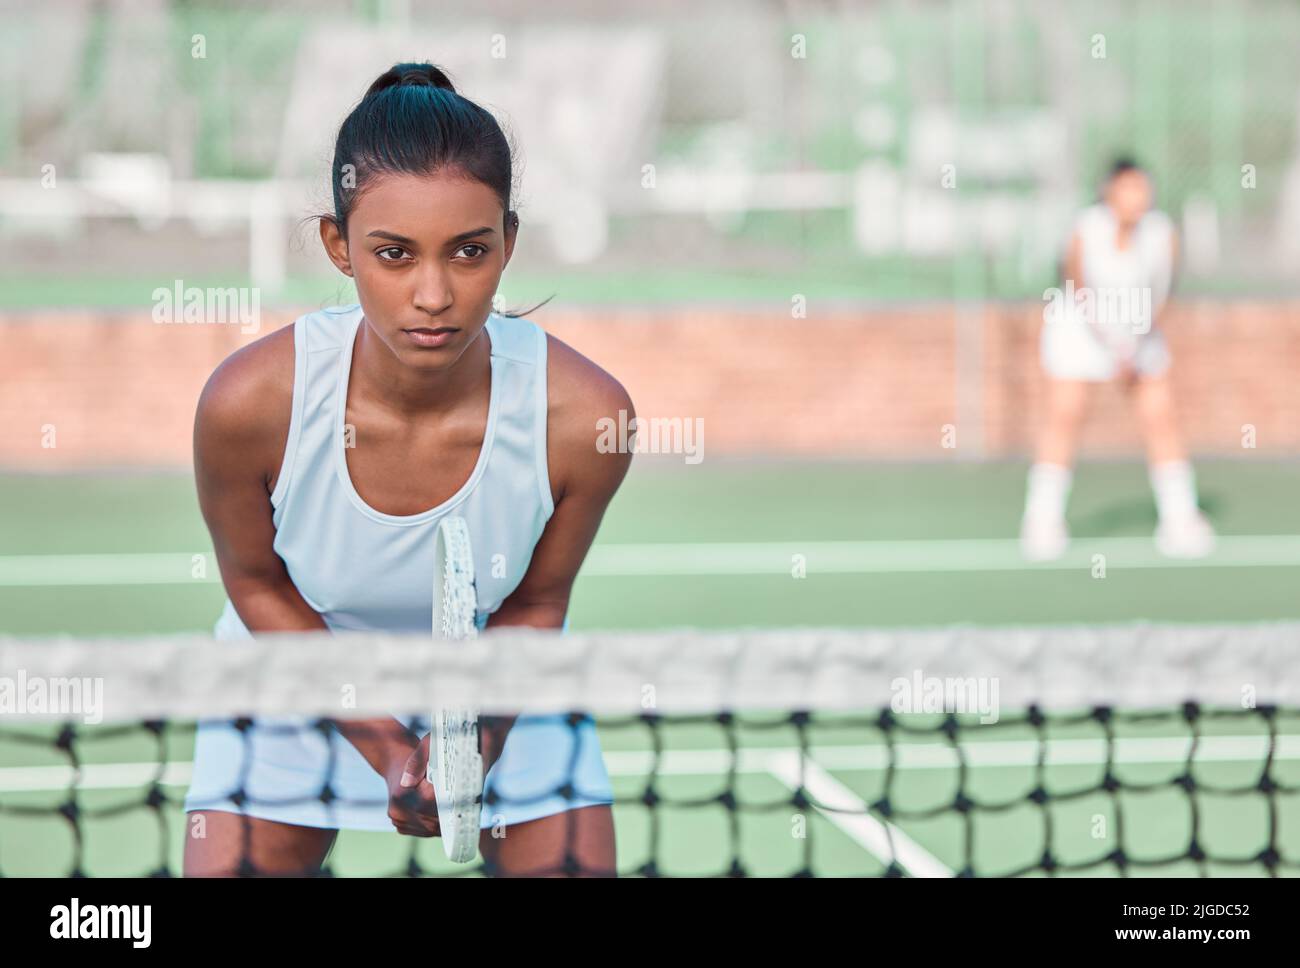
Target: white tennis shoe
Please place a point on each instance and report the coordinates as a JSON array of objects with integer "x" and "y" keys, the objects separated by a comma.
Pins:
[
  {"x": 1043, "y": 538},
  {"x": 1188, "y": 536}
]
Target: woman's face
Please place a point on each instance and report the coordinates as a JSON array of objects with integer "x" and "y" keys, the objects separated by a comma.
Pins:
[
  {"x": 427, "y": 253},
  {"x": 1129, "y": 196}
]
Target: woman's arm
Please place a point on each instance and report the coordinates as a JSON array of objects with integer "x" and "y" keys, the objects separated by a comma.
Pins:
[
  {"x": 243, "y": 413},
  {"x": 1085, "y": 313},
  {"x": 240, "y": 430},
  {"x": 583, "y": 481}
]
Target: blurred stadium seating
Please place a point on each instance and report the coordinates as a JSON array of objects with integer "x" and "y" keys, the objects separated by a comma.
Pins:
[{"x": 815, "y": 135}]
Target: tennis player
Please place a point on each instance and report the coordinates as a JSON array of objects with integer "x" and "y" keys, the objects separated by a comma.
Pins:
[
  {"x": 1105, "y": 327},
  {"x": 327, "y": 452}
]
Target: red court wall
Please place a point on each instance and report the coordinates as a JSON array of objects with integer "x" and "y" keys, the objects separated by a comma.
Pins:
[{"x": 119, "y": 390}]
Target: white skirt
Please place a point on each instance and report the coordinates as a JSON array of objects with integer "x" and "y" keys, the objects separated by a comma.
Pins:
[
  {"x": 278, "y": 770},
  {"x": 1071, "y": 351}
]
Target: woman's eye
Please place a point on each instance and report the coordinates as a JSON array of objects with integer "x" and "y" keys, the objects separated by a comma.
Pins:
[
  {"x": 391, "y": 248},
  {"x": 480, "y": 250}
]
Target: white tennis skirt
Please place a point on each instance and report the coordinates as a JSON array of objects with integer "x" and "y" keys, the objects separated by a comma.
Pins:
[
  {"x": 281, "y": 768},
  {"x": 1069, "y": 351},
  {"x": 285, "y": 770}
]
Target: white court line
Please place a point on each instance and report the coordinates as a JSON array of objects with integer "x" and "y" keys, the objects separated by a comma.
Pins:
[
  {"x": 163, "y": 568},
  {"x": 925, "y": 555},
  {"x": 718, "y": 558},
  {"x": 705, "y": 762},
  {"x": 847, "y": 811},
  {"x": 932, "y": 756},
  {"x": 96, "y": 776}
]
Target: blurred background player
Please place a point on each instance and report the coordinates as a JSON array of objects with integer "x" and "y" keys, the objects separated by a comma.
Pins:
[{"x": 1118, "y": 270}]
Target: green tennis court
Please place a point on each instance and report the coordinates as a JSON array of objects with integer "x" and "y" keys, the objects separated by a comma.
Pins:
[
  {"x": 881, "y": 545},
  {"x": 884, "y": 544}
]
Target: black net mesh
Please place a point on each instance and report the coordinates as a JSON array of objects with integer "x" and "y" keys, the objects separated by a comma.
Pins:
[{"x": 1181, "y": 790}]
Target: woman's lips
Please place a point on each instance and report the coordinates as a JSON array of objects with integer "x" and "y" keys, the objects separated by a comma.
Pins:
[{"x": 428, "y": 336}]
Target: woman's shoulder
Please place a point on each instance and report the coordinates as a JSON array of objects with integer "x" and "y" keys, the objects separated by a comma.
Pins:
[
  {"x": 248, "y": 399},
  {"x": 254, "y": 373},
  {"x": 582, "y": 398},
  {"x": 578, "y": 387}
]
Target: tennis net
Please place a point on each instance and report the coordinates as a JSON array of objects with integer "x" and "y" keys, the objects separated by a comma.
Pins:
[{"x": 1111, "y": 750}]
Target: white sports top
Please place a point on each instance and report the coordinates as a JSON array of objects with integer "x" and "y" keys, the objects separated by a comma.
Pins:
[
  {"x": 362, "y": 569},
  {"x": 1145, "y": 265}
]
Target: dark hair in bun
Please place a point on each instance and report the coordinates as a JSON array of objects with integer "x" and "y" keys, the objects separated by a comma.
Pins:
[
  {"x": 412, "y": 121},
  {"x": 411, "y": 75}
]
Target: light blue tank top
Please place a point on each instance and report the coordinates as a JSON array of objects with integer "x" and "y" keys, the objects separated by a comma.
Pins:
[{"x": 362, "y": 569}]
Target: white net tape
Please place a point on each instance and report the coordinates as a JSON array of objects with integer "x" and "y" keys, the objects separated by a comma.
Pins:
[{"x": 512, "y": 669}]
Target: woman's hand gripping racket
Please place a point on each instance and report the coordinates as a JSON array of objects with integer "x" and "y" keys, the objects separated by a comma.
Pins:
[{"x": 455, "y": 756}]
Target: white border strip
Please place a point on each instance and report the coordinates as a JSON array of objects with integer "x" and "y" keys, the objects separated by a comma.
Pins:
[
  {"x": 719, "y": 558},
  {"x": 358, "y": 674},
  {"x": 908, "y": 556},
  {"x": 714, "y": 762}
]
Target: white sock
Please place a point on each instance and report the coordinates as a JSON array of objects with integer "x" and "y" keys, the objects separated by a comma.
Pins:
[
  {"x": 1174, "y": 485},
  {"x": 1048, "y": 491}
]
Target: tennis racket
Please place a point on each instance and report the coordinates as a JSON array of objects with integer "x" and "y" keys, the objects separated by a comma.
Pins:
[{"x": 455, "y": 757}]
